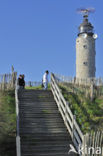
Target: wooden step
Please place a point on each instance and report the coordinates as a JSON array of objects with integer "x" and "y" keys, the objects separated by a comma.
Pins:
[{"x": 42, "y": 129}]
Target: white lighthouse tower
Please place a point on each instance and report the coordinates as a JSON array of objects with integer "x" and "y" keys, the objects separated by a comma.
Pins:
[{"x": 85, "y": 49}]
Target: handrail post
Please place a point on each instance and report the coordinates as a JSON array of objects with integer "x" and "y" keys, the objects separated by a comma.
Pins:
[
  {"x": 67, "y": 103},
  {"x": 18, "y": 146},
  {"x": 74, "y": 118},
  {"x": 14, "y": 79}
]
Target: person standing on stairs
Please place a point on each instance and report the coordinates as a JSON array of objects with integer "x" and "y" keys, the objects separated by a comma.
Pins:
[
  {"x": 45, "y": 80},
  {"x": 21, "y": 82}
]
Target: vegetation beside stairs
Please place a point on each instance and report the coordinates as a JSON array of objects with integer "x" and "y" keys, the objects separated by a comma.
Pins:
[
  {"x": 7, "y": 123},
  {"x": 89, "y": 114}
]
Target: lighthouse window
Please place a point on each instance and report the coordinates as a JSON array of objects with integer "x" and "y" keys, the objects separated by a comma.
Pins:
[
  {"x": 85, "y": 46},
  {"x": 85, "y": 63}
]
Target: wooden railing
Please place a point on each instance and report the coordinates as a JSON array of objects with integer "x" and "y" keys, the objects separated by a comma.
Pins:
[
  {"x": 68, "y": 117},
  {"x": 18, "y": 146},
  {"x": 85, "y": 141}
]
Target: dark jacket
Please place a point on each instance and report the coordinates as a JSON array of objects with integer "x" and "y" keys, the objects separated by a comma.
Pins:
[{"x": 21, "y": 82}]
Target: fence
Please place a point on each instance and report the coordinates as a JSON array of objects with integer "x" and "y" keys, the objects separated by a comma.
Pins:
[
  {"x": 93, "y": 144},
  {"x": 89, "y": 88},
  {"x": 7, "y": 81},
  {"x": 33, "y": 84},
  {"x": 78, "y": 81},
  {"x": 79, "y": 139}
]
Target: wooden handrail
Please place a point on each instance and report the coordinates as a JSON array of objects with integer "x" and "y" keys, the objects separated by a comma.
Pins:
[
  {"x": 88, "y": 140},
  {"x": 18, "y": 146},
  {"x": 67, "y": 115}
]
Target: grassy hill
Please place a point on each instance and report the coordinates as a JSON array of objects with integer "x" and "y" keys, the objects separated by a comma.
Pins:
[
  {"x": 89, "y": 114},
  {"x": 7, "y": 123}
]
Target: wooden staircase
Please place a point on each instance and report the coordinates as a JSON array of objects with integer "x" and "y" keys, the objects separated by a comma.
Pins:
[{"x": 42, "y": 130}]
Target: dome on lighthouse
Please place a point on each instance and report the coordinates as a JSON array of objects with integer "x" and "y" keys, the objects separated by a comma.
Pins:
[{"x": 86, "y": 27}]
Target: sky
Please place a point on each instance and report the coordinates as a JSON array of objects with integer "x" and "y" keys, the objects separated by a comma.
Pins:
[{"x": 39, "y": 35}]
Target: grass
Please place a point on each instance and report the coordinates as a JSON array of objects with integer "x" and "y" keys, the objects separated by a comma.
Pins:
[
  {"x": 7, "y": 123},
  {"x": 37, "y": 87},
  {"x": 89, "y": 114}
]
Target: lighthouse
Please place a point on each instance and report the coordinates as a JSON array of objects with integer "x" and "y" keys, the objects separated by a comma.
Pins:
[{"x": 85, "y": 49}]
